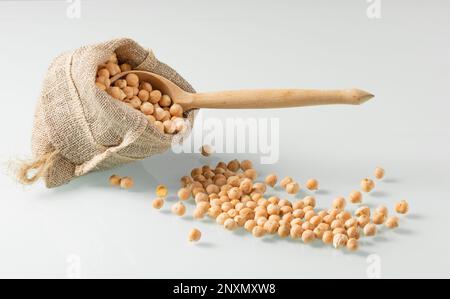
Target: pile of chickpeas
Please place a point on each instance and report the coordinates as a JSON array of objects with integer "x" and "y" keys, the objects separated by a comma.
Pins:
[
  {"x": 231, "y": 194},
  {"x": 158, "y": 108}
]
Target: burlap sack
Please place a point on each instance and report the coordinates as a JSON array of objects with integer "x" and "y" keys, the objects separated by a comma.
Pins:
[{"x": 79, "y": 128}]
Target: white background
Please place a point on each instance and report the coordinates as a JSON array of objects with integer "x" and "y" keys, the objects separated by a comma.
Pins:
[{"x": 89, "y": 229}]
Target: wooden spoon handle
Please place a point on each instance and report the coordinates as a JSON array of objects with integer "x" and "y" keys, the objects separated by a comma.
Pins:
[{"x": 278, "y": 98}]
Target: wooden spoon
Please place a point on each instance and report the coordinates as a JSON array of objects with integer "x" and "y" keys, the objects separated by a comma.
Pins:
[{"x": 250, "y": 99}]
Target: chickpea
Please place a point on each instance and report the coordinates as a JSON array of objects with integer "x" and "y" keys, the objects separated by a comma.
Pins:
[
  {"x": 155, "y": 96},
  {"x": 212, "y": 189},
  {"x": 203, "y": 206},
  {"x": 402, "y": 207},
  {"x": 271, "y": 227},
  {"x": 144, "y": 95},
  {"x": 135, "y": 103},
  {"x": 274, "y": 200},
  {"x": 201, "y": 197},
  {"x": 147, "y": 108},
  {"x": 283, "y": 231},
  {"x": 146, "y": 86},
  {"x": 379, "y": 173},
  {"x": 308, "y": 236},
  {"x": 194, "y": 235},
  {"x": 307, "y": 226},
  {"x": 116, "y": 93},
  {"x": 328, "y": 219},
  {"x": 179, "y": 209},
  {"x": 169, "y": 127},
  {"x": 234, "y": 193},
  {"x": 221, "y": 218},
  {"x": 114, "y": 180},
  {"x": 284, "y": 182},
  {"x": 159, "y": 126},
  {"x": 103, "y": 73},
  {"x": 344, "y": 216},
  {"x": 100, "y": 86},
  {"x": 271, "y": 180},
  {"x": 246, "y": 164},
  {"x": 352, "y": 244},
  {"x": 327, "y": 237},
  {"x": 296, "y": 221},
  {"x": 382, "y": 210},
  {"x": 161, "y": 191},
  {"x": 176, "y": 110},
  {"x": 259, "y": 188},
  {"x": 260, "y": 221},
  {"x": 339, "y": 230},
  {"x": 392, "y": 222},
  {"x": 312, "y": 184},
  {"x": 165, "y": 101},
  {"x": 132, "y": 80},
  {"x": 258, "y": 232},
  {"x": 378, "y": 218},
  {"x": 158, "y": 203},
  {"x": 150, "y": 118},
  {"x": 355, "y": 197},
  {"x": 298, "y": 205},
  {"x": 339, "y": 203},
  {"x": 112, "y": 68},
  {"x": 251, "y": 174},
  {"x": 309, "y": 215},
  {"x": 125, "y": 67},
  {"x": 351, "y": 223},
  {"x": 184, "y": 193},
  {"x": 249, "y": 225},
  {"x": 292, "y": 188},
  {"x": 367, "y": 185},
  {"x": 363, "y": 220},
  {"x": 214, "y": 212},
  {"x": 336, "y": 224},
  {"x": 234, "y": 165},
  {"x": 273, "y": 209},
  {"x": 121, "y": 83},
  {"x": 298, "y": 213},
  {"x": 232, "y": 213},
  {"x": 318, "y": 232},
  {"x": 353, "y": 232},
  {"x": 370, "y": 230},
  {"x": 309, "y": 201},
  {"x": 363, "y": 211},
  {"x": 230, "y": 224},
  {"x": 340, "y": 240},
  {"x": 296, "y": 232},
  {"x": 126, "y": 183}
]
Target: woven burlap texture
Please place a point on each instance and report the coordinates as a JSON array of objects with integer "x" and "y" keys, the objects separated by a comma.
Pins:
[{"x": 83, "y": 129}]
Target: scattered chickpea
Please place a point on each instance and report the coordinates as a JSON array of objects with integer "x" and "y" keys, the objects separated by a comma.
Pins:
[
  {"x": 194, "y": 235},
  {"x": 378, "y": 218},
  {"x": 382, "y": 210},
  {"x": 367, "y": 185},
  {"x": 158, "y": 203},
  {"x": 271, "y": 180},
  {"x": 370, "y": 230},
  {"x": 283, "y": 231},
  {"x": 179, "y": 209},
  {"x": 161, "y": 191},
  {"x": 327, "y": 237},
  {"x": 312, "y": 184},
  {"x": 234, "y": 165},
  {"x": 355, "y": 197},
  {"x": 114, "y": 180},
  {"x": 296, "y": 231},
  {"x": 230, "y": 224},
  {"x": 363, "y": 211},
  {"x": 352, "y": 244},
  {"x": 271, "y": 227},
  {"x": 184, "y": 193},
  {"x": 126, "y": 183},
  {"x": 402, "y": 207},
  {"x": 249, "y": 225},
  {"x": 309, "y": 201},
  {"x": 258, "y": 232},
  {"x": 353, "y": 232},
  {"x": 363, "y": 220},
  {"x": 251, "y": 174},
  {"x": 339, "y": 203},
  {"x": 284, "y": 182},
  {"x": 379, "y": 173},
  {"x": 246, "y": 164},
  {"x": 392, "y": 222},
  {"x": 340, "y": 240},
  {"x": 308, "y": 236},
  {"x": 292, "y": 188}
]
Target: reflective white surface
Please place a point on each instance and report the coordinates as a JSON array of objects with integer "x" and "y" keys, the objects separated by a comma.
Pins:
[{"x": 88, "y": 229}]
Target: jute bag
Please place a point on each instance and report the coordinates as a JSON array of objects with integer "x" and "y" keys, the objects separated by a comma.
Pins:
[{"x": 79, "y": 128}]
